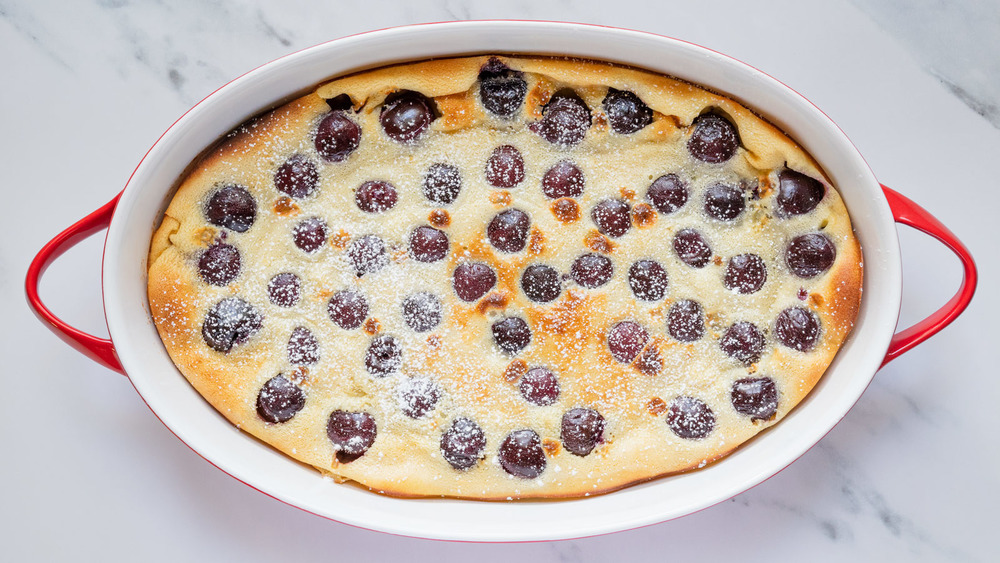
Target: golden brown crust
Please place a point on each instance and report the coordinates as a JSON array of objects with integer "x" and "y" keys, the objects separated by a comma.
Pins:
[{"x": 569, "y": 334}]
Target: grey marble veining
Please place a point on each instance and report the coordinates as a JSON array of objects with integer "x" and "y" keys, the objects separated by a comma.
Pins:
[{"x": 910, "y": 474}]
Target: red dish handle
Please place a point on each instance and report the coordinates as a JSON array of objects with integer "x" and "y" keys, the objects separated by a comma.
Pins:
[
  {"x": 909, "y": 213},
  {"x": 101, "y": 350}
]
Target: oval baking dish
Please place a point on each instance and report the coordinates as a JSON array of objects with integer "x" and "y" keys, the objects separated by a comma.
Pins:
[{"x": 135, "y": 347}]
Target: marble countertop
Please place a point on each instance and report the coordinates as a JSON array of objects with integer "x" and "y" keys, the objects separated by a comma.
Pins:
[{"x": 89, "y": 473}]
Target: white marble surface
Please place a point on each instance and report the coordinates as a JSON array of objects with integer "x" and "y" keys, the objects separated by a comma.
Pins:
[{"x": 88, "y": 473}]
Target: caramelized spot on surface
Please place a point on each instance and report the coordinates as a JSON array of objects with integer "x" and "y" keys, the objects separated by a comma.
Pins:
[
  {"x": 457, "y": 111},
  {"x": 206, "y": 235},
  {"x": 500, "y": 198},
  {"x": 494, "y": 300},
  {"x": 536, "y": 242},
  {"x": 515, "y": 370},
  {"x": 764, "y": 187},
  {"x": 286, "y": 207},
  {"x": 372, "y": 326},
  {"x": 656, "y": 406},
  {"x": 628, "y": 194},
  {"x": 817, "y": 300},
  {"x": 597, "y": 242},
  {"x": 717, "y": 260},
  {"x": 434, "y": 341},
  {"x": 439, "y": 218},
  {"x": 538, "y": 96},
  {"x": 340, "y": 239},
  {"x": 551, "y": 446},
  {"x": 649, "y": 361},
  {"x": 643, "y": 215},
  {"x": 299, "y": 375},
  {"x": 565, "y": 209}
]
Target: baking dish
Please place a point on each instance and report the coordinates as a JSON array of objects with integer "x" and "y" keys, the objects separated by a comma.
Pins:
[{"x": 135, "y": 347}]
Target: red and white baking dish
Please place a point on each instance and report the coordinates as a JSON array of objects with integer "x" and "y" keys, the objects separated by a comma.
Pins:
[{"x": 135, "y": 348}]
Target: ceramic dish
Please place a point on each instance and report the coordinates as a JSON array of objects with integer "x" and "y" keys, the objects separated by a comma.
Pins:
[{"x": 136, "y": 349}]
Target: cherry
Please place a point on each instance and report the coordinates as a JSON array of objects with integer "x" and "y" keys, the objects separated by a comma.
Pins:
[
  {"x": 428, "y": 244},
  {"x": 367, "y": 254},
  {"x": 384, "y": 356},
  {"x": 219, "y": 264},
  {"x": 337, "y": 136},
  {"x": 231, "y": 207},
  {"x": 692, "y": 248},
  {"x": 508, "y": 231},
  {"x": 279, "y": 399},
  {"x": 348, "y": 309},
  {"x": 565, "y": 120},
  {"x": 473, "y": 280},
  {"x": 591, "y": 270},
  {"x": 626, "y": 339},
  {"x": 810, "y": 255},
  {"x": 755, "y": 397},
  {"x": 284, "y": 289},
  {"x": 505, "y": 167},
  {"x": 442, "y": 183},
  {"x": 797, "y": 328},
  {"x": 351, "y": 433},
  {"x": 743, "y": 341},
  {"x": 406, "y": 115},
  {"x": 229, "y": 323},
  {"x": 417, "y": 396},
  {"x": 564, "y": 179},
  {"x": 686, "y": 321},
  {"x": 422, "y": 311},
  {"x": 297, "y": 177},
  {"x": 745, "y": 273},
  {"x": 521, "y": 454},
  {"x": 541, "y": 283},
  {"x": 612, "y": 217},
  {"x": 303, "y": 348},
  {"x": 511, "y": 334},
  {"x": 463, "y": 444},
  {"x": 690, "y": 418},
  {"x": 626, "y": 112},
  {"x": 648, "y": 280},
  {"x": 501, "y": 89},
  {"x": 539, "y": 387},
  {"x": 797, "y": 194},
  {"x": 376, "y": 196},
  {"x": 310, "y": 234},
  {"x": 667, "y": 193},
  {"x": 714, "y": 139},
  {"x": 582, "y": 429},
  {"x": 724, "y": 202}
]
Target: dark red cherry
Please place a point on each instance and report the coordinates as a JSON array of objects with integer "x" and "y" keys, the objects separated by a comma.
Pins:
[
  {"x": 428, "y": 244},
  {"x": 690, "y": 418},
  {"x": 367, "y": 254},
  {"x": 472, "y": 280},
  {"x": 667, "y": 193},
  {"x": 755, "y": 397},
  {"x": 810, "y": 255},
  {"x": 511, "y": 334},
  {"x": 351, "y": 433},
  {"x": 348, "y": 309},
  {"x": 686, "y": 321},
  {"x": 417, "y": 396},
  {"x": 303, "y": 348},
  {"x": 626, "y": 112},
  {"x": 279, "y": 399},
  {"x": 376, "y": 196},
  {"x": 724, "y": 202},
  {"x": 626, "y": 339},
  {"x": 797, "y": 194},
  {"x": 797, "y": 328},
  {"x": 384, "y": 356},
  {"x": 612, "y": 217},
  {"x": 297, "y": 177},
  {"x": 501, "y": 90},
  {"x": 648, "y": 280},
  {"x": 582, "y": 429},
  {"x": 714, "y": 139},
  {"x": 442, "y": 183},
  {"x": 284, "y": 289},
  {"x": 508, "y": 231},
  {"x": 592, "y": 270},
  {"x": 219, "y": 264},
  {"x": 564, "y": 179},
  {"x": 692, "y": 248},
  {"x": 422, "y": 311},
  {"x": 310, "y": 234},
  {"x": 463, "y": 444},
  {"x": 505, "y": 167},
  {"x": 231, "y": 207},
  {"x": 541, "y": 283},
  {"x": 539, "y": 387},
  {"x": 521, "y": 454},
  {"x": 743, "y": 341},
  {"x": 565, "y": 120},
  {"x": 745, "y": 273},
  {"x": 406, "y": 115},
  {"x": 229, "y": 323},
  {"x": 337, "y": 137}
]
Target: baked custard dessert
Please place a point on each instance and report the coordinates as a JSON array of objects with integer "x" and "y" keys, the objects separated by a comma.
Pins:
[{"x": 505, "y": 277}]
